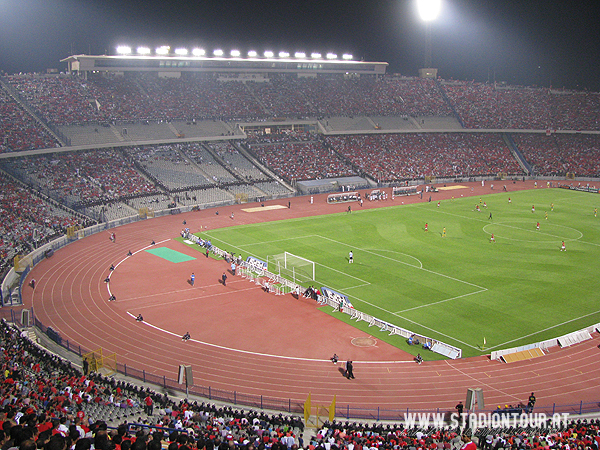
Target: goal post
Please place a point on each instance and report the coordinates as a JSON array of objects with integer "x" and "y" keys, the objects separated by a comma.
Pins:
[{"x": 298, "y": 269}]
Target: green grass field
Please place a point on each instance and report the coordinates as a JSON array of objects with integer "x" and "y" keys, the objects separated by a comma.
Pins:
[{"x": 460, "y": 288}]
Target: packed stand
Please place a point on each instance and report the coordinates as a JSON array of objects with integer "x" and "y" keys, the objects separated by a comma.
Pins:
[
  {"x": 575, "y": 110},
  {"x": 300, "y": 160},
  {"x": 482, "y": 105},
  {"x": 558, "y": 154},
  {"x": 61, "y": 99},
  {"x": 19, "y": 130},
  {"x": 50, "y": 404},
  {"x": 581, "y": 154},
  {"x": 199, "y": 96},
  {"x": 286, "y": 96},
  {"x": 397, "y": 157},
  {"x": 26, "y": 221},
  {"x": 133, "y": 98},
  {"x": 581, "y": 434},
  {"x": 541, "y": 152},
  {"x": 83, "y": 178}
]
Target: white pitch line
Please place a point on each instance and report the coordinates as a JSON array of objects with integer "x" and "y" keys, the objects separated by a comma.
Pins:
[
  {"x": 540, "y": 232},
  {"x": 546, "y": 329},
  {"x": 401, "y": 262},
  {"x": 354, "y": 287},
  {"x": 438, "y": 302},
  {"x": 376, "y": 306},
  {"x": 279, "y": 240},
  {"x": 411, "y": 321},
  {"x": 318, "y": 264}
]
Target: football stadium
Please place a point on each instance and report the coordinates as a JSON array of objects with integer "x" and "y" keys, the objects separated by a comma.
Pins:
[{"x": 296, "y": 250}]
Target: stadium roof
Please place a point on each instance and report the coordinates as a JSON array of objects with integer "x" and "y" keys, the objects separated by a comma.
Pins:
[{"x": 167, "y": 63}]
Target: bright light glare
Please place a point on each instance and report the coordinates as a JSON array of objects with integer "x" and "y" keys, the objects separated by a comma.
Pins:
[
  {"x": 284, "y": 55},
  {"x": 235, "y": 53},
  {"x": 218, "y": 52},
  {"x": 300, "y": 55},
  {"x": 269, "y": 54},
  {"x": 181, "y": 51},
  {"x": 198, "y": 52},
  {"x": 123, "y": 50},
  {"x": 315, "y": 55},
  {"x": 331, "y": 56},
  {"x": 252, "y": 54},
  {"x": 143, "y": 51},
  {"x": 347, "y": 56},
  {"x": 164, "y": 50},
  {"x": 429, "y": 9}
]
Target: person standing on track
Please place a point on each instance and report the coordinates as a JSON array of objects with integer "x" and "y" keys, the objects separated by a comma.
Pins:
[
  {"x": 531, "y": 402},
  {"x": 349, "y": 370},
  {"x": 192, "y": 279},
  {"x": 224, "y": 279}
]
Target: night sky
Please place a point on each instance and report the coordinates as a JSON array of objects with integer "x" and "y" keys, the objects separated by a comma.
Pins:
[{"x": 527, "y": 42}]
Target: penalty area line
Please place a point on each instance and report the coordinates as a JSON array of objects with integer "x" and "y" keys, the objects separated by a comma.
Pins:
[
  {"x": 441, "y": 301},
  {"x": 412, "y": 321}
]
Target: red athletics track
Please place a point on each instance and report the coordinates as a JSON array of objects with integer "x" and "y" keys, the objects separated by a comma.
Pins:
[{"x": 248, "y": 341}]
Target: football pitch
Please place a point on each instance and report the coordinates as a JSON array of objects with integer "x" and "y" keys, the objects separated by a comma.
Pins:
[{"x": 460, "y": 288}]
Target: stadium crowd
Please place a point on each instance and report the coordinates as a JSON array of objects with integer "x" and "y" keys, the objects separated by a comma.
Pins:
[
  {"x": 45, "y": 397},
  {"x": 18, "y": 129},
  {"x": 396, "y": 157},
  {"x": 301, "y": 160},
  {"x": 77, "y": 178},
  {"x": 558, "y": 154},
  {"x": 26, "y": 221},
  {"x": 48, "y": 403},
  {"x": 101, "y": 99}
]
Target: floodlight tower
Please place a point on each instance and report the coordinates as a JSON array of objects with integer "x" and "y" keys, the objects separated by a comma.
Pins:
[{"x": 429, "y": 10}]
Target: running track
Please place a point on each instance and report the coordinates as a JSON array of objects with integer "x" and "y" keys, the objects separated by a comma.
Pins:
[{"x": 248, "y": 341}]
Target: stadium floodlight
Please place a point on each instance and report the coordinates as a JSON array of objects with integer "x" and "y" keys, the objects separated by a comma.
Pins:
[
  {"x": 316, "y": 55},
  {"x": 252, "y": 54},
  {"x": 429, "y": 9},
  {"x": 301, "y": 55},
  {"x": 143, "y": 51},
  {"x": 347, "y": 56},
  {"x": 284, "y": 55},
  {"x": 269, "y": 54},
  {"x": 198, "y": 52},
  {"x": 123, "y": 50},
  {"x": 181, "y": 51},
  {"x": 163, "y": 50},
  {"x": 218, "y": 52},
  {"x": 235, "y": 53},
  {"x": 331, "y": 56}
]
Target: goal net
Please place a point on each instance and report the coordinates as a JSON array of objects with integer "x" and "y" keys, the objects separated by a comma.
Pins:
[{"x": 299, "y": 270}]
